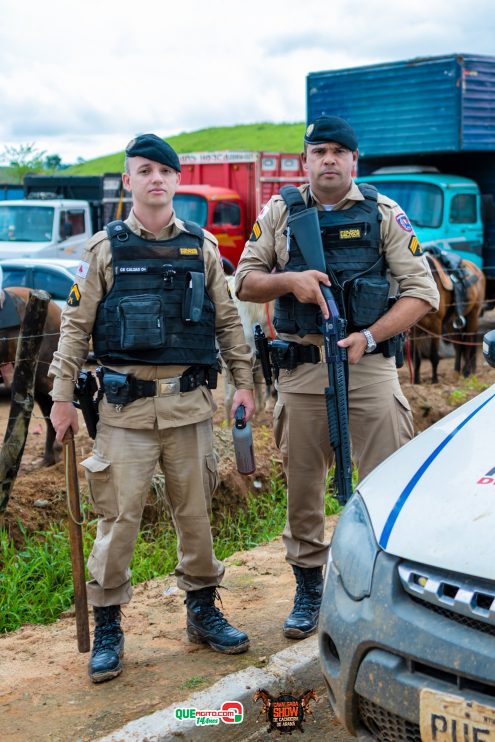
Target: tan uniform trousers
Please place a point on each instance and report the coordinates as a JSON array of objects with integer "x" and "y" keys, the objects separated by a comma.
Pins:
[
  {"x": 380, "y": 421},
  {"x": 119, "y": 474}
]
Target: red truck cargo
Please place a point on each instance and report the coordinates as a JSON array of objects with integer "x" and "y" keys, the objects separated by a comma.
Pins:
[{"x": 225, "y": 191}]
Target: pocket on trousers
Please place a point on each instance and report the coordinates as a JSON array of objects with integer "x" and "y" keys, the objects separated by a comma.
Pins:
[
  {"x": 278, "y": 424},
  {"x": 101, "y": 492},
  {"x": 211, "y": 476},
  {"x": 405, "y": 426}
]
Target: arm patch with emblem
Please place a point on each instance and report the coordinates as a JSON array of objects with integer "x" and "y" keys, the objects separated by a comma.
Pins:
[
  {"x": 415, "y": 246},
  {"x": 74, "y": 297},
  {"x": 256, "y": 232}
]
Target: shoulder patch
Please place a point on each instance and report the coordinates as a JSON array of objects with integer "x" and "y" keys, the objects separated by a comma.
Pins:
[
  {"x": 256, "y": 232},
  {"x": 404, "y": 222},
  {"x": 415, "y": 246},
  {"x": 82, "y": 269},
  {"x": 74, "y": 298}
]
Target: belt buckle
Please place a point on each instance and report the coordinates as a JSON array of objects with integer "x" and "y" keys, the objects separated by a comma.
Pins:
[
  {"x": 167, "y": 386},
  {"x": 321, "y": 349}
]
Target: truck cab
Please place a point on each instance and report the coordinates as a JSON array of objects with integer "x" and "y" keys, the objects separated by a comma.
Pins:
[
  {"x": 47, "y": 228},
  {"x": 219, "y": 211},
  {"x": 445, "y": 210}
]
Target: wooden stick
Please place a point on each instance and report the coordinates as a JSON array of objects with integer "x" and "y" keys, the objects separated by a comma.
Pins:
[{"x": 76, "y": 543}]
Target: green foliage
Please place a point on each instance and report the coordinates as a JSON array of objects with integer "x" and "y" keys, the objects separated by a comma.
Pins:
[
  {"x": 25, "y": 158},
  {"x": 251, "y": 137},
  {"x": 469, "y": 388},
  {"x": 36, "y": 581},
  {"x": 195, "y": 682}
]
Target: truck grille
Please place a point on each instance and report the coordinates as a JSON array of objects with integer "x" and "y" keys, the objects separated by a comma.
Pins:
[
  {"x": 385, "y": 726},
  {"x": 459, "y": 598}
]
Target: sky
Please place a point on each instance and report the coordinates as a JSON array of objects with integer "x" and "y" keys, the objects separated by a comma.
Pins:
[{"x": 80, "y": 79}]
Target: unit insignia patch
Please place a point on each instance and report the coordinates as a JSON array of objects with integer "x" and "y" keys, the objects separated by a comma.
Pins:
[{"x": 403, "y": 222}]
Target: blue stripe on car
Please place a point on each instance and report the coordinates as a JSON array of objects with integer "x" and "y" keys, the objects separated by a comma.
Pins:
[{"x": 395, "y": 512}]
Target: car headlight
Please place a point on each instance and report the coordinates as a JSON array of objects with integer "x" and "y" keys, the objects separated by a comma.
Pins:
[{"x": 354, "y": 549}]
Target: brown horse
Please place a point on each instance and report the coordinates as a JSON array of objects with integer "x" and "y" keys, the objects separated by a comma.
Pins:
[
  {"x": 446, "y": 323},
  {"x": 43, "y": 385}
]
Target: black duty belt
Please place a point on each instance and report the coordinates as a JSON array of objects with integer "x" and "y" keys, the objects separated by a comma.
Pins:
[
  {"x": 122, "y": 389},
  {"x": 294, "y": 354}
]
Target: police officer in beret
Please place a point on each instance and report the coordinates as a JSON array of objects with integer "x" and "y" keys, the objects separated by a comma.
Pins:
[
  {"x": 152, "y": 294},
  {"x": 370, "y": 250}
]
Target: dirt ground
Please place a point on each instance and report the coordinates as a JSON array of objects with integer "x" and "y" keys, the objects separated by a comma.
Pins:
[{"x": 44, "y": 690}]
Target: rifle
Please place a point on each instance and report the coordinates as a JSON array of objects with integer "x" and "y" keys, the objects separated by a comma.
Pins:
[
  {"x": 305, "y": 228},
  {"x": 76, "y": 546}
]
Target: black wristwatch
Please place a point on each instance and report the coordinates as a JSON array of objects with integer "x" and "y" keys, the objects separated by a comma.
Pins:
[{"x": 370, "y": 341}]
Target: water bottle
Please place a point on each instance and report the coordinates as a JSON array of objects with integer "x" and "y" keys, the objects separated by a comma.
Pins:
[{"x": 243, "y": 442}]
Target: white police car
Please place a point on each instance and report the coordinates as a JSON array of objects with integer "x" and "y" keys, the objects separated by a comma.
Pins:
[
  {"x": 55, "y": 276},
  {"x": 407, "y": 625}
]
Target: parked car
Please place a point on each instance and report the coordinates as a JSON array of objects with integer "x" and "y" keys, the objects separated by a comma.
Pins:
[
  {"x": 54, "y": 276},
  {"x": 407, "y": 625}
]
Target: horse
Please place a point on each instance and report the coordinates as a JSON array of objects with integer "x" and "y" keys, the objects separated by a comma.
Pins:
[
  {"x": 251, "y": 313},
  {"x": 266, "y": 700},
  {"x": 8, "y": 346},
  {"x": 306, "y": 697},
  {"x": 460, "y": 328}
]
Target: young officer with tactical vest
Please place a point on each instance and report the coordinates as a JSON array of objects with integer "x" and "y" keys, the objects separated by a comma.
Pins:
[
  {"x": 367, "y": 240},
  {"x": 152, "y": 294}
]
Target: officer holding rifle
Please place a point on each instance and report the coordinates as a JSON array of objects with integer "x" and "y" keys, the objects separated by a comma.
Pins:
[
  {"x": 152, "y": 294},
  {"x": 370, "y": 251}
]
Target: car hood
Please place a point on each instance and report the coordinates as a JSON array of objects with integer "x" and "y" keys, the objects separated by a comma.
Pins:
[
  {"x": 12, "y": 249},
  {"x": 433, "y": 501}
]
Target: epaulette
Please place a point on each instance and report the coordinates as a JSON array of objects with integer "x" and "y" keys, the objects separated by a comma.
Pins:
[{"x": 95, "y": 240}]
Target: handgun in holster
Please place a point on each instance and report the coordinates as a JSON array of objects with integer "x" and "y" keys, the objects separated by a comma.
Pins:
[{"x": 88, "y": 395}]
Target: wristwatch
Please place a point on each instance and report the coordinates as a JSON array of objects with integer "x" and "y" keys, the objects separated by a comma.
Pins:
[{"x": 370, "y": 341}]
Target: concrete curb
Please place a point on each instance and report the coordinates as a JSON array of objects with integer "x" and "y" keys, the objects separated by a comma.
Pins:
[{"x": 295, "y": 670}]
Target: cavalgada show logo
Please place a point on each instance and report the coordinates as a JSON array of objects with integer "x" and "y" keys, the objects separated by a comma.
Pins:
[{"x": 285, "y": 712}]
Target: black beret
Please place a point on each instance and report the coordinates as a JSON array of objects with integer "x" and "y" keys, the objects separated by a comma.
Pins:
[
  {"x": 153, "y": 148},
  {"x": 331, "y": 129}
]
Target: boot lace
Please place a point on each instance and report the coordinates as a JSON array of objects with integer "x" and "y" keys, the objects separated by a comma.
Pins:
[
  {"x": 107, "y": 636},
  {"x": 211, "y": 616}
]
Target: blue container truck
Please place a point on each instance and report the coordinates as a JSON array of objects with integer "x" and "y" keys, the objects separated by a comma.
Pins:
[
  {"x": 10, "y": 191},
  {"x": 426, "y": 130}
]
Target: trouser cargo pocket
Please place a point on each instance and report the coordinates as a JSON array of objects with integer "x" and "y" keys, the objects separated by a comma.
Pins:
[{"x": 101, "y": 491}]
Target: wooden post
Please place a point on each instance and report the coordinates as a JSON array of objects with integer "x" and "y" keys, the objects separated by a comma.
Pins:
[
  {"x": 76, "y": 543},
  {"x": 22, "y": 399}
]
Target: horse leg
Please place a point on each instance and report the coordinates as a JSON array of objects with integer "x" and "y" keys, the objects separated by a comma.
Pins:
[
  {"x": 435, "y": 359},
  {"x": 52, "y": 448},
  {"x": 416, "y": 356}
]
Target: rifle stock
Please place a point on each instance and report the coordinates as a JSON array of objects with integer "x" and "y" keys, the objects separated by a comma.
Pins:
[{"x": 305, "y": 228}]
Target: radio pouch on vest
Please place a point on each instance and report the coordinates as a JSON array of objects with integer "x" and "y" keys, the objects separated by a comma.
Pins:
[
  {"x": 141, "y": 322},
  {"x": 194, "y": 294},
  {"x": 368, "y": 299}
]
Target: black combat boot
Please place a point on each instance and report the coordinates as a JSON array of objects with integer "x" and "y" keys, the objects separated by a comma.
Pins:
[
  {"x": 108, "y": 645},
  {"x": 303, "y": 619},
  {"x": 207, "y": 625}
]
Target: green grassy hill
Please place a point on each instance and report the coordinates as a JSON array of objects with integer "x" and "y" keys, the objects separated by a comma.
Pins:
[{"x": 264, "y": 136}]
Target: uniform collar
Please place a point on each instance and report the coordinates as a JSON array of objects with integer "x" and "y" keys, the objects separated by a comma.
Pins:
[
  {"x": 169, "y": 230},
  {"x": 353, "y": 194}
]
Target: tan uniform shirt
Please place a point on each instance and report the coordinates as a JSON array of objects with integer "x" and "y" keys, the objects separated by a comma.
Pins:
[
  {"x": 77, "y": 324},
  {"x": 407, "y": 268}
]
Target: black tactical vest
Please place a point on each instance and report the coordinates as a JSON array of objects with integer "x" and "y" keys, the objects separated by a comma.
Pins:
[
  {"x": 157, "y": 311},
  {"x": 351, "y": 244}
]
